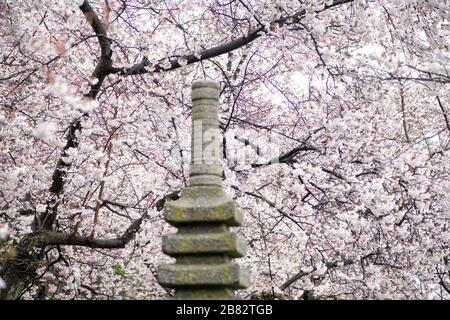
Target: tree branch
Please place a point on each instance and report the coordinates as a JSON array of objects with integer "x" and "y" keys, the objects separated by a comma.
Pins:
[
  {"x": 447, "y": 122},
  {"x": 57, "y": 238},
  {"x": 174, "y": 62},
  {"x": 46, "y": 219},
  {"x": 48, "y": 238},
  {"x": 329, "y": 265},
  {"x": 104, "y": 65},
  {"x": 287, "y": 157}
]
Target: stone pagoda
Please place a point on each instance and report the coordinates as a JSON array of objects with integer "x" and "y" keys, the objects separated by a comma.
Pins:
[{"x": 204, "y": 246}]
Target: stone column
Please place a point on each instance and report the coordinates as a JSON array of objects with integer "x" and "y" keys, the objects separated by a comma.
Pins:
[{"x": 204, "y": 246}]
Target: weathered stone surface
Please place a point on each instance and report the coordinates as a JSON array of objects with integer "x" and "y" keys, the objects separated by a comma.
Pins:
[
  {"x": 203, "y": 204},
  {"x": 204, "y": 246},
  {"x": 206, "y": 275},
  {"x": 205, "y": 168},
  {"x": 206, "y": 155},
  {"x": 205, "y": 90},
  {"x": 205, "y": 180},
  {"x": 207, "y": 243}
]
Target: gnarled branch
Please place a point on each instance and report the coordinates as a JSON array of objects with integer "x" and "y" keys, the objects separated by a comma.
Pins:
[
  {"x": 174, "y": 63},
  {"x": 48, "y": 238}
]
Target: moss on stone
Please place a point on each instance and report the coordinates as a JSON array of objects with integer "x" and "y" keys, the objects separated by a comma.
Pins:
[
  {"x": 220, "y": 275},
  {"x": 202, "y": 205},
  {"x": 205, "y": 243}
]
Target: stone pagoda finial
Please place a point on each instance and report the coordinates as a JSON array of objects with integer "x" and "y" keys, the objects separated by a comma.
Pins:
[{"x": 204, "y": 246}]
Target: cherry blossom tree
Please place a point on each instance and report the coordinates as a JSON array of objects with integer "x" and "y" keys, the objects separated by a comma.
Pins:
[{"x": 336, "y": 142}]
